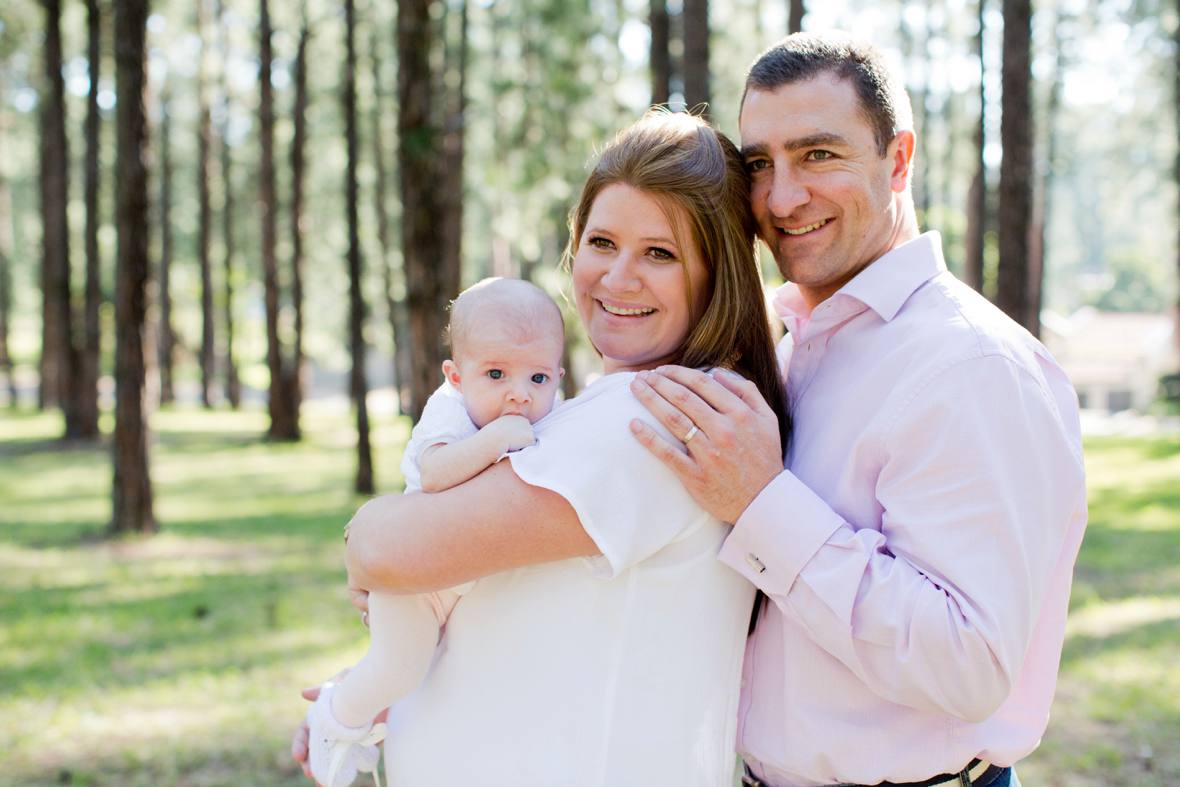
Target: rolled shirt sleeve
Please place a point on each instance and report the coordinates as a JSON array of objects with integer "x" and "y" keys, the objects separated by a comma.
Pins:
[{"x": 977, "y": 482}]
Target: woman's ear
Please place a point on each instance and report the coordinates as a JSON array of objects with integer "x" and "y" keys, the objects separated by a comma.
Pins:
[{"x": 451, "y": 372}]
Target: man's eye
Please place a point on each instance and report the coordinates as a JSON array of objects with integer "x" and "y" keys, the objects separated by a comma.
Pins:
[
  {"x": 757, "y": 165},
  {"x": 820, "y": 155},
  {"x": 495, "y": 374},
  {"x": 540, "y": 379}
]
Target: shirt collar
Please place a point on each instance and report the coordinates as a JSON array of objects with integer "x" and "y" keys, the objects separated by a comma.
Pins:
[{"x": 883, "y": 286}]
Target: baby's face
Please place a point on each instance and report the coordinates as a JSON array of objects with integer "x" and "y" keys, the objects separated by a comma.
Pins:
[{"x": 498, "y": 374}]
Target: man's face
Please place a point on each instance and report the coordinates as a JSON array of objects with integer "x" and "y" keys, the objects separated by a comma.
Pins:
[{"x": 824, "y": 198}]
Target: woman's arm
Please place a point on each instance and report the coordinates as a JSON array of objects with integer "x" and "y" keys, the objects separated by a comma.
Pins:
[{"x": 492, "y": 523}]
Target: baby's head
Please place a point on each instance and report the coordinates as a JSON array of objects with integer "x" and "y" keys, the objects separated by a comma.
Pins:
[{"x": 507, "y": 338}]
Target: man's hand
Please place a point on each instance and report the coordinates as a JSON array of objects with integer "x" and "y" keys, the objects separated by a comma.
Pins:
[
  {"x": 734, "y": 452},
  {"x": 514, "y": 430}
]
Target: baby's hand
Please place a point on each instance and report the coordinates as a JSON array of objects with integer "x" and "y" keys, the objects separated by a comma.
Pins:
[{"x": 514, "y": 431}]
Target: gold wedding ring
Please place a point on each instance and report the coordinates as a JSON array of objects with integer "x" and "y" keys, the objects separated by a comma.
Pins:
[{"x": 691, "y": 434}]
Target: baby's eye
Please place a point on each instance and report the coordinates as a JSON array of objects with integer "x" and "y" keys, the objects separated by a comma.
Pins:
[
  {"x": 496, "y": 374},
  {"x": 540, "y": 379}
]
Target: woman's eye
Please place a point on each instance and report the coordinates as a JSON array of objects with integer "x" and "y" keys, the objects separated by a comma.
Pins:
[
  {"x": 540, "y": 379},
  {"x": 600, "y": 243},
  {"x": 495, "y": 374},
  {"x": 661, "y": 254}
]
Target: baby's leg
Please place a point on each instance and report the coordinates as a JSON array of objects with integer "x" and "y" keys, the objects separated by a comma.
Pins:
[{"x": 403, "y": 631}]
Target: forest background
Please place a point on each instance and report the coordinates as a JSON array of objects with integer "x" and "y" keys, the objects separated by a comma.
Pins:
[{"x": 196, "y": 281}]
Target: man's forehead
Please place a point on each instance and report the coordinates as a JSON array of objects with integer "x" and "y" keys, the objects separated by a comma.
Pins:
[{"x": 823, "y": 108}]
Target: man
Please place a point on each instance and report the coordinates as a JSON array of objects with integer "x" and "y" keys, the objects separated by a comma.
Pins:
[{"x": 918, "y": 547}]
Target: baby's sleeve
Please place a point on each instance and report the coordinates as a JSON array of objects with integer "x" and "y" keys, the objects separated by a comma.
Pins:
[
  {"x": 444, "y": 420},
  {"x": 629, "y": 503}
]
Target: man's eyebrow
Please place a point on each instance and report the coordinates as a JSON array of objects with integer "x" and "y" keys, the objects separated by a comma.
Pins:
[{"x": 810, "y": 141}]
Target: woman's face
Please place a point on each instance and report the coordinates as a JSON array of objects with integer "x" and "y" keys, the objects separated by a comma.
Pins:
[{"x": 632, "y": 281}]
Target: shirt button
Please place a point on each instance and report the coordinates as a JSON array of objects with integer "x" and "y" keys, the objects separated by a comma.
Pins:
[{"x": 755, "y": 563}]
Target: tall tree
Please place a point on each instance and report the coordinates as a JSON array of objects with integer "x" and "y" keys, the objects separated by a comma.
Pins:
[
  {"x": 419, "y": 152},
  {"x": 233, "y": 386},
  {"x": 1016, "y": 168},
  {"x": 1043, "y": 187},
  {"x": 293, "y": 377},
  {"x": 284, "y": 422},
  {"x": 795, "y": 11},
  {"x": 5, "y": 260},
  {"x": 696, "y": 54},
  {"x": 204, "y": 208},
  {"x": 88, "y": 371},
  {"x": 977, "y": 193},
  {"x": 132, "y": 489},
  {"x": 166, "y": 336},
  {"x": 453, "y": 146},
  {"x": 1176, "y": 173},
  {"x": 358, "y": 386},
  {"x": 56, "y": 317},
  {"x": 661, "y": 58},
  {"x": 395, "y": 307}
]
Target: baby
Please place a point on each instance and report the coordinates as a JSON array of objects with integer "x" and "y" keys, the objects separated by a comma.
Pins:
[{"x": 507, "y": 338}]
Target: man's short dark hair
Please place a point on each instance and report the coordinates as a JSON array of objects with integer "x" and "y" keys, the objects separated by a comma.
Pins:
[{"x": 802, "y": 56}]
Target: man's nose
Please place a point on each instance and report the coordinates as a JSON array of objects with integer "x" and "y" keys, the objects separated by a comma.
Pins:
[{"x": 787, "y": 193}]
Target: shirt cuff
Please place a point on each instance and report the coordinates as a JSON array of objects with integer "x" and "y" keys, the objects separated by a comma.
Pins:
[{"x": 778, "y": 533}]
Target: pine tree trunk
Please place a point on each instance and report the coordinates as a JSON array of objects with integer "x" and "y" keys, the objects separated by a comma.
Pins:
[
  {"x": 419, "y": 153},
  {"x": 57, "y": 322},
  {"x": 166, "y": 344},
  {"x": 284, "y": 423},
  {"x": 977, "y": 193},
  {"x": 233, "y": 386},
  {"x": 358, "y": 386},
  {"x": 1176, "y": 173},
  {"x": 132, "y": 490},
  {"x": 795, "y": 13},
  {"x": 696, "y": 55},
  {"x": 455, "y": 63},
  {"x": 88, "y": 372},
  {"x": 661, "y": 59},
  {"x": 1016, "y": 175},
  {"x": 293, "y": 379},
  {"x": 6, "y": 265},
  {"x": 204, "y": 209},
  {"x": 395, "y": 308}
]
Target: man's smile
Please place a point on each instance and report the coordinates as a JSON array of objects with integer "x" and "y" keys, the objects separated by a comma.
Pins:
[{"x": 804, "y": 229}]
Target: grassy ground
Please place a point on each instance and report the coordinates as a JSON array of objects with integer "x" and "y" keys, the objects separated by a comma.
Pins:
[{"x": 175, "y": 660}]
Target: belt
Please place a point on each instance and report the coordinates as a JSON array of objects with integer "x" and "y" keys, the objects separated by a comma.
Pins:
[{"x": 976, "y": 772}]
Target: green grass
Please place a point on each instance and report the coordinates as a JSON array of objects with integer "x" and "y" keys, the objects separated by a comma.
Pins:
[{"x": 176, "y": 659}]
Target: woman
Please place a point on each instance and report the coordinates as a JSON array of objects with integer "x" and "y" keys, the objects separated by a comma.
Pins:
[{"x": 603, "y": 645}]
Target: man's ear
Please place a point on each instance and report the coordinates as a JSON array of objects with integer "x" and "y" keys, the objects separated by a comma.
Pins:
[
  {"x": 451, "y": 372},
  {"x": 901, "y": 154}
]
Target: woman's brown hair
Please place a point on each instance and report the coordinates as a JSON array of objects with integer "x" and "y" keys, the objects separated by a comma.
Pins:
[{"x": 697, "y": 174}]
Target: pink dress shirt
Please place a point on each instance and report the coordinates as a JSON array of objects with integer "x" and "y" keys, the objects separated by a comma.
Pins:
[{"x": 919, "y": 546}]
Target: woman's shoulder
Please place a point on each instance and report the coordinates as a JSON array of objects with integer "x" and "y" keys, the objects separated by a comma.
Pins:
[{"x": 602, "y": 397}]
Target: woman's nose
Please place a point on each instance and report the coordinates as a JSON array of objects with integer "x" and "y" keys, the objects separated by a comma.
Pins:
[{"x": 620, "y": 276}]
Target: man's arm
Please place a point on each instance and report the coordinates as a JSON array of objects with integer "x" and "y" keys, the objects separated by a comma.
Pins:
[
  {"x": 445, "y": 465},
  {"x": 978, "y": 487},
  {"x": 494, "y": 522}
]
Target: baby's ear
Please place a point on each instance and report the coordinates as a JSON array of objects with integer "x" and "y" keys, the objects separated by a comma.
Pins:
[
  {"x": 560, "y": 373},
  {"x": 451, "y": 371}
]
